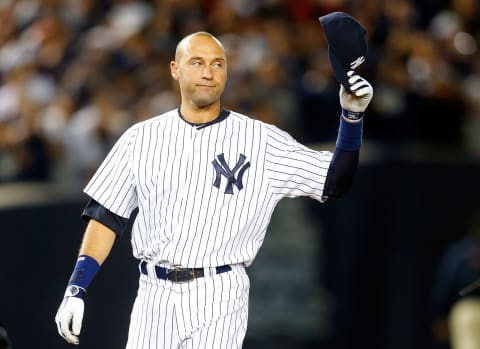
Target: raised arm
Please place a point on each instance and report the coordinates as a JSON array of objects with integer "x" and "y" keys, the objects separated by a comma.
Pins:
[{"x": 344, "y": 163}]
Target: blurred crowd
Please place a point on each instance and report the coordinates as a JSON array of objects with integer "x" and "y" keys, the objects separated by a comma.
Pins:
[{"x": 76, "y": 73}]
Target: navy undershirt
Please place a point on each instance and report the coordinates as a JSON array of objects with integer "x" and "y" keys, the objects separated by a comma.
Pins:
[
  {"x": 94, "y": 210},
  {"x": 224, "y": 113}
]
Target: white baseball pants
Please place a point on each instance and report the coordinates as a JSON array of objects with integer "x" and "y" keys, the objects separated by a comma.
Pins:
[{"x": 210, "y": 312}]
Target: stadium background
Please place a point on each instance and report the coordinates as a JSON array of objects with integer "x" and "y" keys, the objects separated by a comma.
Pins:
[{"x": 353, "y": 273}]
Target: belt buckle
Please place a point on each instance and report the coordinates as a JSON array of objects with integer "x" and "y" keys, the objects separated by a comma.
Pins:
[{"x": 180, "y": 275}]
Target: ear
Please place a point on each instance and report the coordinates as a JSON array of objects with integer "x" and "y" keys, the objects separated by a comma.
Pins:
[{"x": 173, "y": 70}]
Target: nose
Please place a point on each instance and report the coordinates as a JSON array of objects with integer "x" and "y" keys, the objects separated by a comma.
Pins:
[{"x": 207, "y": 72}]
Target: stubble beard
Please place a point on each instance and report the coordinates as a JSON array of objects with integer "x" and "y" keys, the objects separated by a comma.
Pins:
[{"x": 204, "y": 100}]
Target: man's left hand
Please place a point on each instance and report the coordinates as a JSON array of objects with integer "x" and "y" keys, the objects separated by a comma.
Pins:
[{"x": 362, "y": 93}]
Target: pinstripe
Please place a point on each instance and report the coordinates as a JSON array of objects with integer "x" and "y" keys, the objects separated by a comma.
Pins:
[
  {"x": 218, "y": 198},
  {"x": 238, "y": 210},
  {"x": 147, "y": 171},
  {"x": 299, "y": 169},
  {"x": 163, "y": 179},
  {"x": 211, "y": 230},
  {"x": 194, "y": 197},
  {"x": 104, "y": 172},
  {"x": 125, "y": 185},
  {"x": 159, "y": 199},
  {"x": 226, "y": 213},
  {"x": 300, "y": 162},
  {"x": 217, "y": 306},
  {"x": 203, "y": 208},
  {"x": 143, "y": 319},
  {"x": 307, "y": 182},
  {"x": 191, "y": 311},
  {"x": 169, "y": 177},
  {"x": 104, "y": 193},
  {"x": 220, "y": 203},
  {"x": 309, "y": 188},
  {"x": 135, "y": 324},
  {"x": 144, "y": 305},
  {"x": 154, "y": 182},
  {"x": 144, "y": 144},
  {"x": 147, "y": 323},
  {"x": 237, "y": 295},
  {"x": 180, "y": 197},
  {"x": 155, "y": 319},
  {"x": 168, "y": 331},
  {"x": 181, "y": 323},
  {"x": 249, "y": 243},
  {"x": 243, "y": 241},
  {"x": 237, "y": 215},
  {"x": 222, "y": 324}
]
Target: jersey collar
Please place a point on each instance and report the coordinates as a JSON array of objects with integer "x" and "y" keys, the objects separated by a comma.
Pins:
[{"x": 224, "y": 113}]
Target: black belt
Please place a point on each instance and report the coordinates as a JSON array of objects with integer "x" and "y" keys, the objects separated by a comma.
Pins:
[{"x": 181, "y": 274}]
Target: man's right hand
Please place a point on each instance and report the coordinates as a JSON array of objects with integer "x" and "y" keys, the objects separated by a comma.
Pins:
[{"x": 69, "y": 318}]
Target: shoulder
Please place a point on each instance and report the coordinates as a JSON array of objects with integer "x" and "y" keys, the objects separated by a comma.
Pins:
[
  {"x": 140, "y": 127},
  {"x": 240, "y": 117},
  {"x": 267, "y": 129},
  {"x": 135, "y": 132},
  {"x": 156, "y": 120}
]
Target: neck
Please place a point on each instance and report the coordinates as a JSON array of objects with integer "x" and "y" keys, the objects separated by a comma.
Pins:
[{"x": 200, "y": 115}]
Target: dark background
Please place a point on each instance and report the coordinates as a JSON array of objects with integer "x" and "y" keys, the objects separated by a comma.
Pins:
[
  {"x": 382, "y": 242},
  {"x": 75, "y": 74}
]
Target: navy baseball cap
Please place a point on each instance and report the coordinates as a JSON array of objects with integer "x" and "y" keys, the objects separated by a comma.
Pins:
[{"x": 347, "y": 44}]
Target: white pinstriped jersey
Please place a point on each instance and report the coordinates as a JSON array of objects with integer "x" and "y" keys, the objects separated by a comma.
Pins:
[{"x": 205, "y": 194}]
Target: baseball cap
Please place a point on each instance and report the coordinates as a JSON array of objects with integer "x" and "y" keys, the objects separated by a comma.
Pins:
[{"x": 347, "y": 44}]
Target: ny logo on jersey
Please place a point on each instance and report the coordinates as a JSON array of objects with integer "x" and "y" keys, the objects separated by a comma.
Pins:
[{"x": 222, "y": 169}]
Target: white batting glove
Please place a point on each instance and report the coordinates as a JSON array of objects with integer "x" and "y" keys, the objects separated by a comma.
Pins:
[
  {"x": 69, "y": 318},
  {"x": 362, "y": 93}
]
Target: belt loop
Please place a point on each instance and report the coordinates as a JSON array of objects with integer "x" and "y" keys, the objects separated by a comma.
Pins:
[{"x": 143, "y": 267}]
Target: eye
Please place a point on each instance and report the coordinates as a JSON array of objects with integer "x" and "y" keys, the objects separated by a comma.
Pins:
[
  {"x": 196, "y": 63},
  {"x": 217, "y": 65}
]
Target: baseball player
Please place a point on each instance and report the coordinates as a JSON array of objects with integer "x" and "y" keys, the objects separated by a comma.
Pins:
[{"x": 205, "y": 181}]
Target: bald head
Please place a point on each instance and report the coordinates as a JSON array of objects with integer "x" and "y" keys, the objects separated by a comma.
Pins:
[
  {"x": 184, "y": 44},
  {"x": 200, "y": 67}
]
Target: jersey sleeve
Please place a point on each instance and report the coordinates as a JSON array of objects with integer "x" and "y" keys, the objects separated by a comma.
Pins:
[
  {"x": 113, "y": 185},
  {"x": 294, "y": 169}
]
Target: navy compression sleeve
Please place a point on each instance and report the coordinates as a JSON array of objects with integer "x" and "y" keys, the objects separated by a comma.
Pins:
[
  {"x": 96, "y": 211},
  {"x": 345, "y": 158},
  {"x": 341, "y": 172}
]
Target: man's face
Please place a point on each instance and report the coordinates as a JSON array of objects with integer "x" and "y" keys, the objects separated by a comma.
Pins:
[{"x": 201, "y": 70}]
